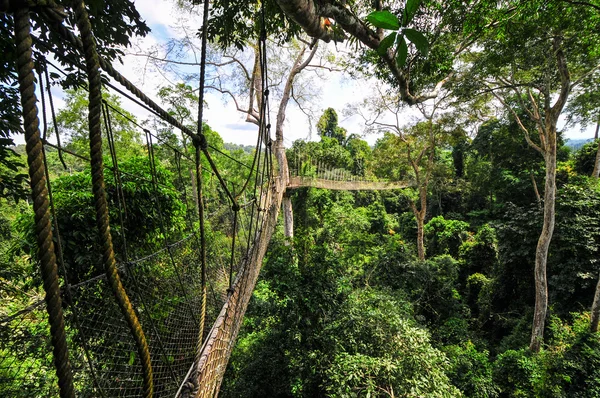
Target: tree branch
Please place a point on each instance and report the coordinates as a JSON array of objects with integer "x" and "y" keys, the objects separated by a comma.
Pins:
[{"x": 519, "y": 122}]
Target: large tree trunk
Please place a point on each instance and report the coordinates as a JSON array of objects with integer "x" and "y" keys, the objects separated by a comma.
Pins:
[
  {"x": 595, "y": 309},
  {"x": 596, "y": 171},
  {"x": 535, "y": 188},
  {"x": 420, "y": 235},
  {"x": 541, "y": 253},
  {"x": 288, "y": 217},
  {"x": 420, "y": 217}
]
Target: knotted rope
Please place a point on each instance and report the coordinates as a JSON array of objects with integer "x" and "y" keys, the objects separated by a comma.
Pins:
[
  {"x": 41, "y": 203},
  {"x": 101, "y": 204}
]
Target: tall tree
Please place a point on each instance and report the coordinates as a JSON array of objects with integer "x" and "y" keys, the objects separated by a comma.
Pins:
[
  {"x": 532, "y": 62},
  {"x": 328, "y": 126}
]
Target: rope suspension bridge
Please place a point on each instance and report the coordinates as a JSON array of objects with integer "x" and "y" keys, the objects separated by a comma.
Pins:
[
  {"x": 136, "y": 321},
  {"x": 128, "y": 312},
  {"x": 305, "y": 171}
]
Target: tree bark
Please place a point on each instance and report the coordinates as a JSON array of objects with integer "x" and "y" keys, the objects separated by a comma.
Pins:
[
  {"x": 596, "y": 171},
  {"x": 595, "y": 309},
  {"x": 420, "y": 217},
  {"x": 288, "y": 218},
  {"x": 535, "y": 188},
  {"x": 541, "y": 253},
  {"x": 420, "y": 236},
  {"x": 548, "y": 141},
  {"x": 308, "y": 15}
]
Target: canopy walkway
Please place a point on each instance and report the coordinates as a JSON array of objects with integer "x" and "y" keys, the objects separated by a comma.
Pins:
[
  {"x": 299, "y": 182},
  {"x": 126, "y": 311},
  {"x": 306, "y": 171}
]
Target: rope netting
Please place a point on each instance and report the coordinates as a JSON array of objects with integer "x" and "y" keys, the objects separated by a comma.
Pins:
[
  {"x": 308, "y": 170},
  {"x": 170, "y": 243}
]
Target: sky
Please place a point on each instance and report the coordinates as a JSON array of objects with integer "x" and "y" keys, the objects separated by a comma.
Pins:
[{"x": 333, "y": 89}]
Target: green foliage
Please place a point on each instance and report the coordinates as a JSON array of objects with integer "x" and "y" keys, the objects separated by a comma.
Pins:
[
  {"x": 500, "y": 164},
  {"x": 13, "y": 178},
  {"x": 75, "y": 211},
  {"x": 445, "y": 236},
  {"x": 480, "y": 252},
  {"x": 386, "y": 20},
  {"x": 568, "y": 367},
  {"x": 383, "y": 353},
  {"x": 471, "y": 371},
  {"x": 234, "y": 23},
  {"x": 327, "y": 126},
  {"x": 73, "y": 124},
  {"x": 585, "y": 158}
]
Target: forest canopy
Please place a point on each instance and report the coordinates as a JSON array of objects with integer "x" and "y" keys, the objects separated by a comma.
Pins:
[{"x": 479, "y": 277}]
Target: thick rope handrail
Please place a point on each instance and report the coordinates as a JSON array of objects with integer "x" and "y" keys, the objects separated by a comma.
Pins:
[
  {"x": 100, "y": 201},
  {"x": 39, "y": 190}
]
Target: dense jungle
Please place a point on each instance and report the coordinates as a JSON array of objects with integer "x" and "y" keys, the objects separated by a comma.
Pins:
[{"x": 480, "y": 278}]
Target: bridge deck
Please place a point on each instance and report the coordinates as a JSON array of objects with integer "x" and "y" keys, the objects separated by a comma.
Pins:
[{"x": 299, "y": 182}]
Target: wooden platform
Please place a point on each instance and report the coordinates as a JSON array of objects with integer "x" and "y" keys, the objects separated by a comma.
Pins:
[{"x": 299, "y": 182}]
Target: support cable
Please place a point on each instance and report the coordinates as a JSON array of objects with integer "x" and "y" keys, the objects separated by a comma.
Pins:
[
  {"x": 161, "y": 219},
  {"x": 198, "y": 144},
  {"x": 198, "y": 139},
  {"x": 122, "y": 215},
  {"x": 59, "y": 247},
  {"x": 101, "y": 204},
  {"x": 43, "y": 227}
]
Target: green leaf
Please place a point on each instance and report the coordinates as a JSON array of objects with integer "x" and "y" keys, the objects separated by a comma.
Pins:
[
  {"x": 386, "y": 43},
  {"x": 384, "y": 20},
  {"x": 402, "y": 52},
  {"x": 418, "y": 40},
  {"x": 131, "y": 357},
  {"x": 409, "y": 11}
]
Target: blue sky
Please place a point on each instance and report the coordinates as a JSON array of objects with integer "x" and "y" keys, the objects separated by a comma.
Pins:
[{"x": 334, "y": 90}]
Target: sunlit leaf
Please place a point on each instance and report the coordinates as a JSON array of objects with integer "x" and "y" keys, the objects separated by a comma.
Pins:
[
  {"x": 384, "y": 20},
  {"x": 410, "y": 10},
  {"x": 386, "y": 43},
  {"x": 402, "y": 52},
  {"x": 418, "y": 40}
]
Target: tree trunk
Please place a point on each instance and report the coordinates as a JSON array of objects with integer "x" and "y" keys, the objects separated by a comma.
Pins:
[
  {"x": 535, "y": 188},
  {"x": 541, "y": 254},
  {"x": 420, "y": 239},
  {"x": 596, "y": 171},
  {"x": 288, "y": 217},
  {"x": 595, "y": 309}
]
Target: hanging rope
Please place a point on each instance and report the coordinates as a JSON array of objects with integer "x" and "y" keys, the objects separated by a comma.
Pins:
[
  {"x": 199, "y": 143},
  {"x": 95, "y": 96},
  {"x": 39, "y": 190}
]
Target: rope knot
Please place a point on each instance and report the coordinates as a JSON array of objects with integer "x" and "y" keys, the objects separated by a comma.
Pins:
[
  {"x": 200, "y": 141},
  {"x": 267, "y": 92},
  {"x": 236, "y": 207}
]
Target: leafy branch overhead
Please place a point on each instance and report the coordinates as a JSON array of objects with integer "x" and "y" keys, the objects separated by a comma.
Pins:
[{"x": 386, "y": 20}]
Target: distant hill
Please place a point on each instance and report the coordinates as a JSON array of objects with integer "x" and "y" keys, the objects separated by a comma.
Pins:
[
  {"x": 234, "y": 147},
  {"x": 577, "y": 143}
]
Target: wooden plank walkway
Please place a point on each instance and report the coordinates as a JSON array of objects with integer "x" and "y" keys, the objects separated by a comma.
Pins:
[{"x": 299, "y": 182}]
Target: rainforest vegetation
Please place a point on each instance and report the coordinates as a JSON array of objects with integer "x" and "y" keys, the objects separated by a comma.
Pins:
[{"x": 479, "y": 279}]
